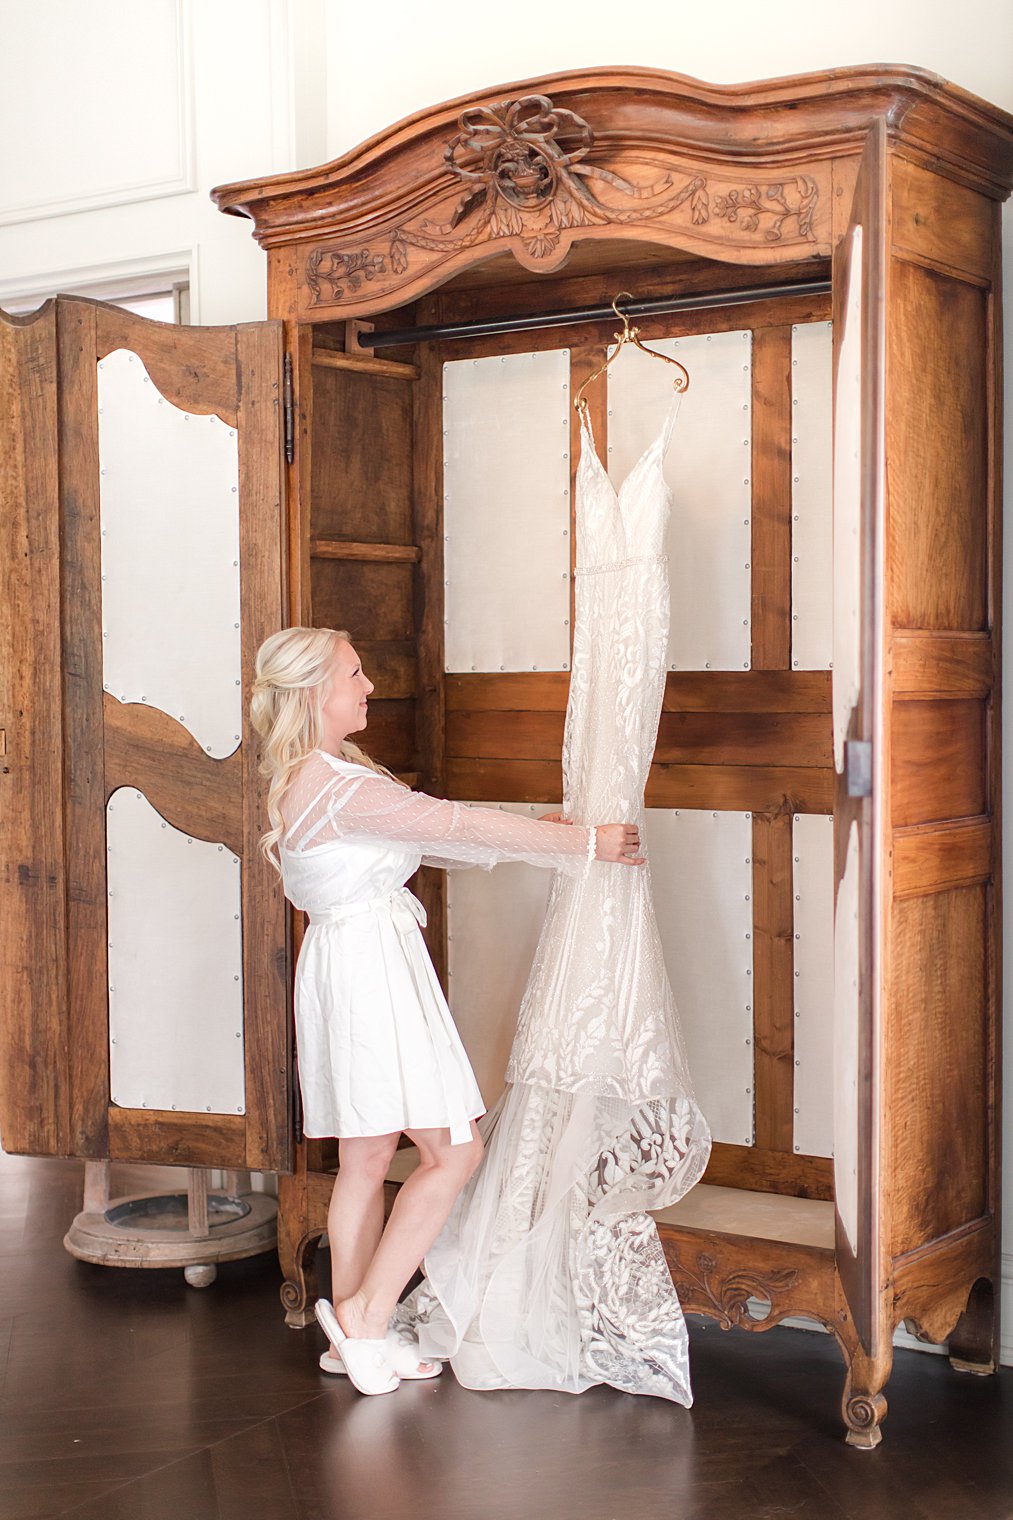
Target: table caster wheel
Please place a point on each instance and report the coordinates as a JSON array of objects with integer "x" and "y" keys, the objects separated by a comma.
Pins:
[{"x": 201, "y": 1274}]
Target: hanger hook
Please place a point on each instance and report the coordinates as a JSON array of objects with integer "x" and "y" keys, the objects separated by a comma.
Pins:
[{"x": 624, "y": 319}]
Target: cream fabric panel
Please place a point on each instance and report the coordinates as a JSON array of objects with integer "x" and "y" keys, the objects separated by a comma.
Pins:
[
  {"x": 813, "y": 889},
  {"x": 708, "y": 469},
  {"x": 175, "y": 965},
  {"x": 494, "y": 919},
  {"x": 169, "y": 508},
  {"x": 848, "y": 507},
  {"x": 506, "y": 440},
  {"x": 701, "y": 869},
  {"x": 846, "y": 1032},
  {"x": 811, "y": 495}
]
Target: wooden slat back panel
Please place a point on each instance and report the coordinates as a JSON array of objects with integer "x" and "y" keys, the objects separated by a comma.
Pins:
[
  {"x": 757, "y": 740},
  {"x": 362, "y": 477}
]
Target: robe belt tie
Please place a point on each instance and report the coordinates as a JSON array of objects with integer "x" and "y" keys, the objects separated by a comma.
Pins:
[
  {"x": 408, "y": 915},
  {"x": 405, "y": 910}
]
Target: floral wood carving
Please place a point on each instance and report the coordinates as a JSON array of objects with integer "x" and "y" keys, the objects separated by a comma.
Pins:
[
  {"x": 337, "y": 268},
  {"x": 730, "y": 1296},
  {"x": 748, "y": 207},
  {"x": 524, "y": 168}
]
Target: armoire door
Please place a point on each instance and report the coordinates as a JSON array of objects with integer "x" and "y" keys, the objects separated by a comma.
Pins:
[
  {"x": 144, "y": 999},
  {"x": 858, "y": 510}
]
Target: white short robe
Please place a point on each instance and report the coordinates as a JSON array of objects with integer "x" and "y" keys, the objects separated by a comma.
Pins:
[{"x": 377, "y": 1048}]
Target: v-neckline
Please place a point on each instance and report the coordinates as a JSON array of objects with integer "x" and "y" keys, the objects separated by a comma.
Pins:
[{"x": 588, "y": 436}]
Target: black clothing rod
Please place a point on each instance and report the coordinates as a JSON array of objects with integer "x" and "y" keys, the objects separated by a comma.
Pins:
[{"x": 652, "y": 307}]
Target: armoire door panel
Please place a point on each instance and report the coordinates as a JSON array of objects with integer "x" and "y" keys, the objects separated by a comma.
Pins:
[
  {"x": 859, "y": 338},
  {"x": 937, "y": 1122},
  {"x": 266, "y": 974},
  {"x": 192, "y": 367},
  {"x": 931, "y": 857},
  {"x": 176, "y": 1139},
  {"x": 169, "y": 537},
  {"x": 937, "y": 761},
  {"x": 34, "y": 1098},
  {"x": 87, "y": 1052},
  {"x": 145, "y": 748},
  {"x": 942, "y": 664},
  {"x": 222, "y": 381},
  {"x": 175, "y": 993},
  {"x": 937, "y": 450}
]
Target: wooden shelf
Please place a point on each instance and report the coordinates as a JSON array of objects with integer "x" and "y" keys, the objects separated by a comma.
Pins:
[
  {"x": 721, "y": 1210},
  {"x": 340, "y": 548},
  {"x": 760, "y": 1216},
  {"x": 388, "y": 369}
]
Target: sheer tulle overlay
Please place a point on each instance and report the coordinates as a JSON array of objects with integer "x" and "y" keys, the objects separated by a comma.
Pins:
[{"x": 549, "y": 1272}]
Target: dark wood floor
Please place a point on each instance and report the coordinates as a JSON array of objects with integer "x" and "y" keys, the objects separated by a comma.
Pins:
[{"x": 127, "y": 1394}]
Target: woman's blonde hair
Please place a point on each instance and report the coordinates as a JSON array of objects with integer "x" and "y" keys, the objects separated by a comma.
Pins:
[{"x": 285, "y": 709}]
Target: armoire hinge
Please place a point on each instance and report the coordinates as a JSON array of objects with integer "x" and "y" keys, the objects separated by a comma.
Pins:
[
  {"x": 289, "y": 413},
  {"x": 858, "y": 767}
]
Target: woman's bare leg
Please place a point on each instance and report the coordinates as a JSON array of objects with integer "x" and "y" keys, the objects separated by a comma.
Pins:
[
  {"x": 355, "y": 1212},
  {"x": 419, "y": 1214}
]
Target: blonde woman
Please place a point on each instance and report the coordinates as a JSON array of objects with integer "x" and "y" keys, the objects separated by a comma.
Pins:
[{"x": 379, "y": 1055}]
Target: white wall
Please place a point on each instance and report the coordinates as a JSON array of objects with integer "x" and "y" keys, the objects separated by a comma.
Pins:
[
  {"x": 413, "y": 54},
  {"x": 126, "y": 115}
]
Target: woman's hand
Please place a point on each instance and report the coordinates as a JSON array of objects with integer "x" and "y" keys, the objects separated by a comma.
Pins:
[
  {"x": 619, "y": 843},
  {"x": 553, "y": 818}
]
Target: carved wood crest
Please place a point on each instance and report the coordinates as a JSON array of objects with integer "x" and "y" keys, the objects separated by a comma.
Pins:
[{"x": 524, "y": 174}]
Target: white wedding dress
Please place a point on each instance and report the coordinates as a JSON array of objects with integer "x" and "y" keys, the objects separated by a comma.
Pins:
[{"x": 549, "y": 1272}]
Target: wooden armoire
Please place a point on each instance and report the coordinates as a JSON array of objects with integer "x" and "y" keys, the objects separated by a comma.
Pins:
[{"x": 504, "y": 224}]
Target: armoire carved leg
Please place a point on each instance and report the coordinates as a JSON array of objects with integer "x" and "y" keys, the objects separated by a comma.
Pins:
[
  {"x": 297, "y": 1250},
  {"x": 300, "y": 1290},
  {"x": 972, "y": 1345},
  {"x": 864, "y": 1405}
]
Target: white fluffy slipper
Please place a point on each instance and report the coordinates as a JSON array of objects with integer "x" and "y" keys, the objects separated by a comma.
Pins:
[
  {"x": 402, "y": 1355},
  {"x": 366, "y": 1361}
]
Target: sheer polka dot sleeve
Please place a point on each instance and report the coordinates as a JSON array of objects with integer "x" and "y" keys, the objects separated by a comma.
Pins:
[{"x": 359, "y": 804}]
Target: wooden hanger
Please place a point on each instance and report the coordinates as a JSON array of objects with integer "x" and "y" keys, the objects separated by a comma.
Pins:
[{"x": 629, "y": 335}]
